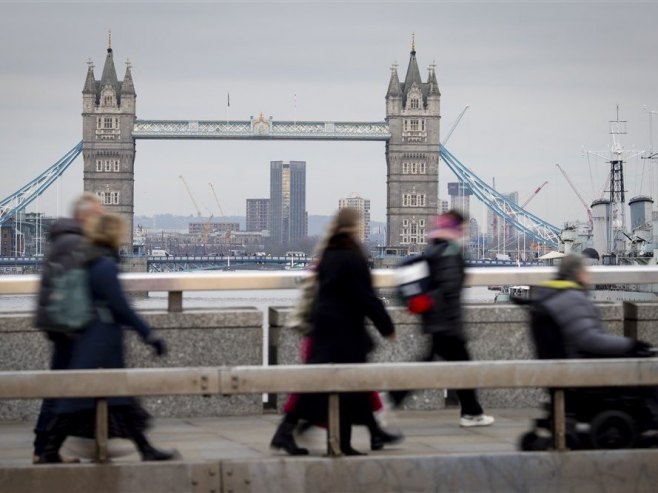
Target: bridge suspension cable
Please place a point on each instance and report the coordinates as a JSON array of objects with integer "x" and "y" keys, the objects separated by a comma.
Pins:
[
  {"x": 521, "y": 219},
  {"x": 20, "y": 199}
]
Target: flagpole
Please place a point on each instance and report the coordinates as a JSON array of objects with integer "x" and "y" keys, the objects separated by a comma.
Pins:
[{"x": 228, "y": 107}]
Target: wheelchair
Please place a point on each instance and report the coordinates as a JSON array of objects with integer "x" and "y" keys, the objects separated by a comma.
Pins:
[{"x": 596, "y": 418}]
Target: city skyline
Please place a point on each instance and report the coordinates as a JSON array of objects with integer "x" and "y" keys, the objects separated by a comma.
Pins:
[{"x": 542, "y": 80}]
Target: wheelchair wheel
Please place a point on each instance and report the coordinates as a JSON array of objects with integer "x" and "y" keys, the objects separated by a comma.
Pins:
[
  {"x": 613, "y": 430},
  {"x": 530, "y": 441}
]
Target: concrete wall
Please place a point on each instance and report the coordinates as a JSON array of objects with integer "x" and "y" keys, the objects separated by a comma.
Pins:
[
  {"x": 194, "y": 338},
  {"x": 234, "y": 337},
  {"x": 497, "y": 332}
]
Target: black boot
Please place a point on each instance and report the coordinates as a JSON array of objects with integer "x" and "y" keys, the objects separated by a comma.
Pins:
[
  {"x": 378, "y": 436},
  {"x": 346, "y": 438},
  {"x": 381, "y": 437},
  {"x": 283, "y": 438},
  {"x": 148, "y": 451},
  {"x": 151, "y": 453},
  {"x": 54, "y": 439}
]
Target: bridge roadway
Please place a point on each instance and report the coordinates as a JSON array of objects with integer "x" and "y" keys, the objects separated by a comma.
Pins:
[{"x": 180, "y": 263}]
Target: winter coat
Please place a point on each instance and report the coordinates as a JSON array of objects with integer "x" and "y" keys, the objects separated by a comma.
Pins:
[
  {"x": 574, "y": 312},
  {"x": 66, "y": 242},
  {"x": 447, "y": 266},
  {"x": 345, "y": 298},
  {"x": 101, "y": 344}
]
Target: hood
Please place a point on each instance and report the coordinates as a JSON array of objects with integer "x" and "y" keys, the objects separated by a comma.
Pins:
[{"x": 64, "y": 226}]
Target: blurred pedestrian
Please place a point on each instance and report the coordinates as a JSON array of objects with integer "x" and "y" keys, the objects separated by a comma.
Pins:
[
  {"x": 344, "y": 299},
  {"x": 101, "y": 345},
  {"x": 583, "y": 333},
  {"x": 444, "y": 321},
  {"x": 67, "y": 243}
]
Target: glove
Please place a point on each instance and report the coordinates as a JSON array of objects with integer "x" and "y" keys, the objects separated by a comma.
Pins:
[
  {"x": 642, "y": 349},
  {"x": 158, "y": 345}
]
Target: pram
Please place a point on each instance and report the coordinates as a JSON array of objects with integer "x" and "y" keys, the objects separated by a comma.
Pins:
[{"x": 596, "y": 418}]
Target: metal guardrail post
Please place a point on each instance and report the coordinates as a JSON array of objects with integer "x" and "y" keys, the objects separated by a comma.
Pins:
[
  {"x": 175, "y": 301},
  {"x": 559, "y": 421},
  {"x": 333, "y": 431},
  {"x": 101, "y": 431}
]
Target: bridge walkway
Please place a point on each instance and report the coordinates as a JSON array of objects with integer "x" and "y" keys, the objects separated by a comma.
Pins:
[{"x": 248, "y": 437}]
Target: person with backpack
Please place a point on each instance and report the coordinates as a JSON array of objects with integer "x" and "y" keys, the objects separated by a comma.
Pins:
[
  {"x": 100, "y": 345},
  {"x": 443, "y": 318},
  {"x": 67, "y": 251}
]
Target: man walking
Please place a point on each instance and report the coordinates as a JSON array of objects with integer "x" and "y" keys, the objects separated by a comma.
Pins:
[
  {"x": 66, "y": 238},
  {"x": 444, "y": 321}
]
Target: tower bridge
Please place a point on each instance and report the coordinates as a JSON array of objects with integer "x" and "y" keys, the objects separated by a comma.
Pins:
[{"x": 410, "y": 131}]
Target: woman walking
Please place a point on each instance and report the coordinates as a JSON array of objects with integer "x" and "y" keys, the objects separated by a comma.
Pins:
[
  {"x": 101, "y": 346},
  {"x": 344, "y": 299}
]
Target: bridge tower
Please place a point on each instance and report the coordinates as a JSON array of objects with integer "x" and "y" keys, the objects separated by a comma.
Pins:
[
  {"x": 412, "y": 156},
  {"x": 108, "y": 116}
]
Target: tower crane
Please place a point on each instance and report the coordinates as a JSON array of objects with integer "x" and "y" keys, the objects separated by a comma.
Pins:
[
  {"x": 206, "y": 226},
  {"x": 221, "y": 212},
  {"x": 219, "y": 207},
  {"x": 533, "y": 194},
  {"x": 189, "y": 192},
  {"x": 454, "y": 125},
  {"x": 582, "y": 200}
]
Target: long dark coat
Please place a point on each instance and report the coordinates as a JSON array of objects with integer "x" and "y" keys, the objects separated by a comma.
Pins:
[
  {"x": 345, "y": 299},
  {"x": 101, "y": 345}
]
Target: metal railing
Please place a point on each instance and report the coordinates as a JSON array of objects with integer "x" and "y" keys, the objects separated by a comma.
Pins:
[
  {"x": 178, "y": 282},
  {"x": 104, "y": 384}
]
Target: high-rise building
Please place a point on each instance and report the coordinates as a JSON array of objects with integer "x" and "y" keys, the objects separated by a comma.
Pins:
[
  {"x": 288, "y": 219},
  {"x": 460, "y": 197},
  {"x": 363, "y": 206},
  {"x": 258, "y": 214}
]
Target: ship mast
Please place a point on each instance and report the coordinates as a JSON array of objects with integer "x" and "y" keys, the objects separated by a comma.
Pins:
[{"x": 617, "y": 225}]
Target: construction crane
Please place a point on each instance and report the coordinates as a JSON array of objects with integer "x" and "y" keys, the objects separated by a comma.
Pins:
[
  {"x": 454, "y": 125},
  {"x": 189, "y": 192},
  {"x": 590, "y": 219},
  {"x": 219, "y": 207},
  {"x": 206, "y": 226},
  {"x": 221, "y": 213},
  {"x": 533, "y": 194}
]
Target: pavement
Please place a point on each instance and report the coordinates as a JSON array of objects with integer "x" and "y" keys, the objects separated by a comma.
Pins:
[{"x": 247, "y": 437}]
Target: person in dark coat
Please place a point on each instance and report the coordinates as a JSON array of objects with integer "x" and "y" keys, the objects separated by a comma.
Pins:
[
  {"x": 583, "y": 333},
  {"x": 67, "y": 239},
  {"x": 345, "y": 298},
  {"x": 101, "y": 345},
  {"x": 444, "y": 321}
]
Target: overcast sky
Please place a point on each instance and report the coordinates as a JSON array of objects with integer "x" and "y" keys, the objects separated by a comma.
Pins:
[{"x": 542, "y": 80}]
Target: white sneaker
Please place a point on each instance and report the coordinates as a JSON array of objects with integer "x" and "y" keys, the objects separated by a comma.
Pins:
[{"x": 479, "y": 420}]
